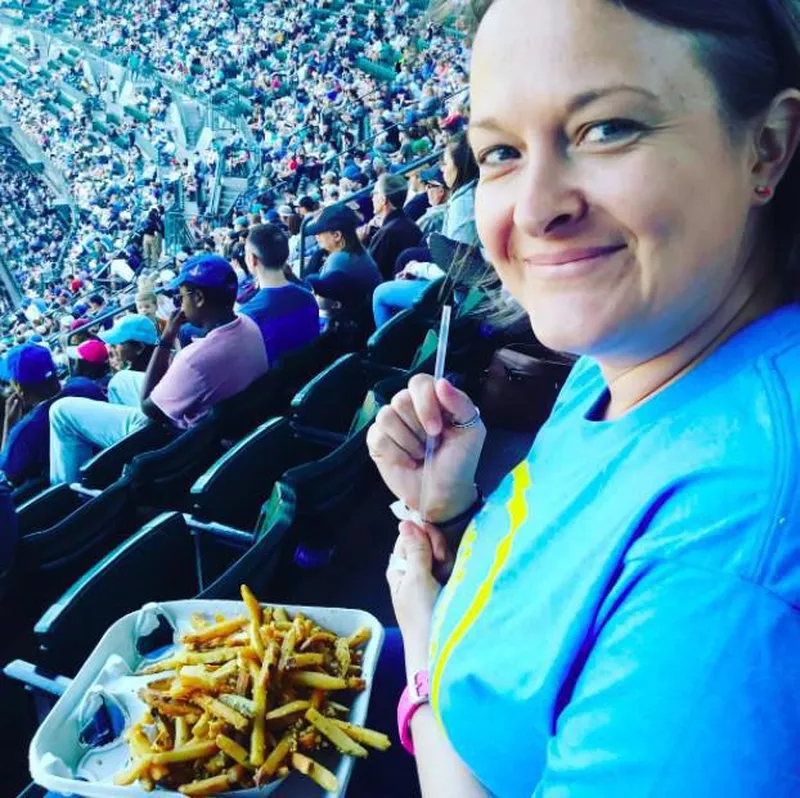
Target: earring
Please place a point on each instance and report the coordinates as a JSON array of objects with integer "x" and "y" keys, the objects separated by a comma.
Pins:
[{"x": 765, "y": 192}]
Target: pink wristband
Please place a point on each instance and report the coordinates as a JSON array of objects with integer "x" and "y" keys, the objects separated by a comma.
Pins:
[{"x": 412, "y": 698}]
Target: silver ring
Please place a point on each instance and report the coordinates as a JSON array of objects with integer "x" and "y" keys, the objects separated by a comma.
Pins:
[
  {"x": 398, "y": 563},
  {"x": 473, "y": 422}
]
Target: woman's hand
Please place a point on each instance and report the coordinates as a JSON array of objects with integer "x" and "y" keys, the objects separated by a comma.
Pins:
[
  {"x": 419, "y": 553},
  {"x": 396, "y": 443}
]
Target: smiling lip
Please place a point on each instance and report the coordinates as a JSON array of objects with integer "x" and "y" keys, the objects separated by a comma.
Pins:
[{"x": 572, "y": 256}]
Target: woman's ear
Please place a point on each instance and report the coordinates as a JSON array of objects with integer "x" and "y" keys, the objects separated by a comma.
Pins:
[{"x": 776, "y": 142}]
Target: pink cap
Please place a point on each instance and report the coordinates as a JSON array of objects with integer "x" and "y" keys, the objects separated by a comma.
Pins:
[{"x": 91, "y": 351}]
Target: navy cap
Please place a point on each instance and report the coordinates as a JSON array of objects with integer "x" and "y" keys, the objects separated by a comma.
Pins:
[
  {"x": 352, "y": 172},
  {"x": 29, "y": 364},
  {"x": 334, "y": 217},
  {"x": 433, "y": 176},
  {"x": 207, "y": 271}
]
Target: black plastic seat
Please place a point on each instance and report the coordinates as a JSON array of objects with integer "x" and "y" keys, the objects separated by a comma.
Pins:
[
  {"x": 397, "y": 342},
  {"x": 331, "y": 399},
  {"x": 106, "y": 466},
  {"x": 48, "y": 508},
  {"x": 28, "y": 489},
  {"x": 154, "y": 564},
  {"x": 234, "y": 488}
]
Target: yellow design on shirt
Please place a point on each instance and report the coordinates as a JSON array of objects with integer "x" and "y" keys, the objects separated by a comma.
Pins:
[{"x": 518, "y": 512}]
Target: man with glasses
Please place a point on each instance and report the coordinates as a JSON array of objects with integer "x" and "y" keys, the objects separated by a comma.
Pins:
[{"x": 179, "y": 390}]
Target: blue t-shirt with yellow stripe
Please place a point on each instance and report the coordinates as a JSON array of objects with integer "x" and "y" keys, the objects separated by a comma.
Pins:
[{"x": 623, "y": 618}]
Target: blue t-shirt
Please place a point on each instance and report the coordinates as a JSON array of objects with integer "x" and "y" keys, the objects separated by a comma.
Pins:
[
  {"x": 287, "y": 316},
  {"x": 27, "y": 451},
  {"x": 623, "y": 616}
]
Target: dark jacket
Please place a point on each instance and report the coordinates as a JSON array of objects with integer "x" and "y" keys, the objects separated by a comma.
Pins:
[{"x": 397, "y": 233}]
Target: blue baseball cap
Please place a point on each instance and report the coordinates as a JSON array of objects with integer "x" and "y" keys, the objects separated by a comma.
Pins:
[
  {"x": 132, "y": 328},
  {"x": 334, "y": 217},
  {"x": 433, "y": 176},
  {"x": 30, "y": 363},
  {"x": 207, "y": 271}
]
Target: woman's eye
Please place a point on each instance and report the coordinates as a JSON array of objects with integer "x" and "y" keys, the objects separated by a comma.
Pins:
[
  {"x": 496, "y": 155},
  {"x": 610, "y": 131}
]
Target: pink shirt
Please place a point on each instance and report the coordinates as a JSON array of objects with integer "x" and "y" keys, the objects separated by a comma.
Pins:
[{"x": 211, "y": 369}]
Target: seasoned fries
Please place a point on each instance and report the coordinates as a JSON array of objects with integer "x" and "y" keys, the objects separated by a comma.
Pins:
[{"x": 246, "y": 701}]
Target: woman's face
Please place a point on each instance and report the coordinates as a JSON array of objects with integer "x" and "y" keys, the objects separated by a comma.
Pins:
[
  {"x": 330, "y": 241},
  {"x": 611, "y": 201},
  {"x": 449, "y": 169}
]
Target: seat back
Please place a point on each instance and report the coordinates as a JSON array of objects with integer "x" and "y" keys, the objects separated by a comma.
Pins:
[
  {"x": 265, "y": 567},
  {"x": 302, "y": 365},
  {"x": 396, "y": 342},
  {"x": 162, "y": 478},
  {"x": 48, "y": 508},
  {"x": 84, "y": 532},
  {"x": 155, "y": 564},
  {"x": 28, "y": 489},
  {"x": 232, "y": 491},
  {"x": 331, "y": 399},
  {"x": 240, "y": 414},
  {"x": 106, "y": 466}
]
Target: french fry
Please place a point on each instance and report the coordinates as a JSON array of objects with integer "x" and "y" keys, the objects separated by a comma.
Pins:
[
  {"x": 242, "y": 705},
  {"x": 200, "y": 728},
  {"x": 138, "y": 741},
  {"x": 280, "y": 616},
  {"x": 318, "y": 637},
  {"x": 342, "y": 741},
  {"x": 223, "y": 629},
  {"x": 315, "y": 772},
  {"x": 297, "y": 661},
  {"x": 254, "y": 609},
  {"x": 258, "y": 744},
  {"x": 323, "y": 681},
  {"x": 188, "y": 753},
  {"x": 166, "y": 705},
  {"x": 223, "y": 712},
  {"x": 181, "y": 733},
  {"x": 288, "y": 709},
  {"x": 276, "y": 756},
  {"x": 373, "y": 739},
  {"x": 133, "y": 774},
  {"x": 158, "y": 772},
  {"x": 215, "y": 656},
  {"x": 342, "y": 651},
  {"x": 235, "y": 751},
  {"x": 359, "y": 637},
  {"x": 211, "y": 786}
]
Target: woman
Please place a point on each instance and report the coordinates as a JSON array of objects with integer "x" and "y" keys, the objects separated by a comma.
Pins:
[
  {"x": 349, "y": 275},
  {"x": 621, "y": 618},
  {"x": 415, "y": 267}
]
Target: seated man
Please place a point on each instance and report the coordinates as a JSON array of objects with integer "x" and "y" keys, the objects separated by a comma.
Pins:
[
  {"x": 220, "y": 365},
  {"x": 26, "y": 433},
  {"x": 287, "y": 314},
  {"x": 396, "y": 232}
]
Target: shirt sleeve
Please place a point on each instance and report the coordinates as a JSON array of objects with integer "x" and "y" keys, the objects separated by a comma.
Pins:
[
  {"x": 180, "y": 390},
  {"x": 690, "y": 687}
]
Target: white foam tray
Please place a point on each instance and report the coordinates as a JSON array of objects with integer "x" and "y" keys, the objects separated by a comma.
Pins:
[{"x": 57, "y": 757}]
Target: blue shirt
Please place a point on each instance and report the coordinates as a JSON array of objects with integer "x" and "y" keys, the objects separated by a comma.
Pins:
[
  {"x": 623, "y": 616},
  {"x": 287, "y": 316},
  {"x": 27, "y": 451}
]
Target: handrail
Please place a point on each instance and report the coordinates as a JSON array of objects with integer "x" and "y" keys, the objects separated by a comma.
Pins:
[{"x": 363, "y": 192}]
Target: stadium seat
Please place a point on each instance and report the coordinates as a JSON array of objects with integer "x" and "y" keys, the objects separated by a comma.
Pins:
[
  {"x": 232, "y": 491},
  {"x": 45, "y": 509},
  {"x": 396, "y": 343},
  {"x": 146, "y": 567},
  {"x": 106, "y": 466},
  {"x": 329, "y": 401},
  {"x": 28, "y": 489}
]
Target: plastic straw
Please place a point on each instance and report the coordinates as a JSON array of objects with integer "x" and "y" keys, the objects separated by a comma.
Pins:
[{"x": 430, "y": 440}]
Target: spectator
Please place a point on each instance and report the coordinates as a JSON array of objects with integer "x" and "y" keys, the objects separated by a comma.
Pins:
[
  {"x": 130, "y": 348},
  {"x": 90, "y": 359},
  {"x": 153, "y": 237},
  {"x": 223, "y": 363},
  {"x": 26, "y": 430},
  {"x": 286, "y": 314},
  {"x": 147, "y": 303},
  {"x": 396, "y": 232},
  {"x": 349, "y": 275}
]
